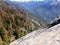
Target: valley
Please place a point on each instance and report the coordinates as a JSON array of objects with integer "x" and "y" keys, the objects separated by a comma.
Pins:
[
  {"x": 44, "y": 10},
  {"x": 23, "y": 23}
]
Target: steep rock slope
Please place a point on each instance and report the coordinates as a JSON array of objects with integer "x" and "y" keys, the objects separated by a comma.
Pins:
[{"x": 49, "y": 36}]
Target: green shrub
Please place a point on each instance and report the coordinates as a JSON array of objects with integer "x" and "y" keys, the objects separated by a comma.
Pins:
[
  {"x": 18, "y": 21},
  {"x": 1, "y": 42},
  {"x": 2, "y": 31},
  {"x": 10, "y": 11},
  {"x": 17, "y": 34},
  {"x": 6, "y": 38},
  {"x": 10, "y": 32},
  {"x": 4, "y": 43},
  {"x": 23, "y": 32}
]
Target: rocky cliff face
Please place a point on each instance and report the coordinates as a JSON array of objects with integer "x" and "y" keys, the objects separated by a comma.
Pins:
[{"x": 45, "y": 36}]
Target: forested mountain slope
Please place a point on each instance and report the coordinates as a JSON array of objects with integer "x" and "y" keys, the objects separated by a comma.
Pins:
[{"x": 14, "y": 23}]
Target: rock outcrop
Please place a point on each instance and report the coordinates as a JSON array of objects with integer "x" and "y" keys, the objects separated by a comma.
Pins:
[
  {"x": 54, "y": 22},
  {"x": 49, "y": 36}
]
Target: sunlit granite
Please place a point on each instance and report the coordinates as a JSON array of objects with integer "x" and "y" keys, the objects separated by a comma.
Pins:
[{"x": 45, "y": 36}]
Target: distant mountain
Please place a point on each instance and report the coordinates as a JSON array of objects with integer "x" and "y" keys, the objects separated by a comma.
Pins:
[{"x": 46, "y": 10}]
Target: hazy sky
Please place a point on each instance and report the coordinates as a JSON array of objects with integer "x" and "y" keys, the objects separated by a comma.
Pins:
[
  {"x": 32, "y": 0},
  {"x": 26, "y": 0}
]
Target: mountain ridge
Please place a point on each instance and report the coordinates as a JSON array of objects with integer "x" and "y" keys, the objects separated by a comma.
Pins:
[{"x": 41, "y": 8}]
